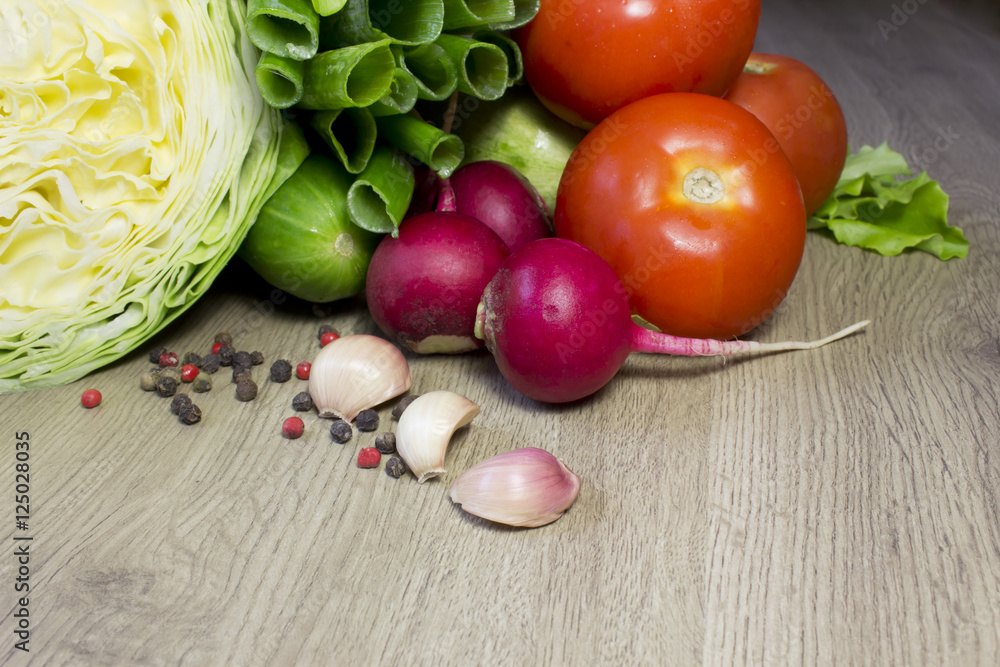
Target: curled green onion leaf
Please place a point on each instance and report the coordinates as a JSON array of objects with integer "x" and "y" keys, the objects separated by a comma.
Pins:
[
  {"x": 379, "y": 197},
  {"x": 352, "y": 76},
  {"x": 286, "y": 28},
  {"x": 524, "y": 11},
  {"x": 436, "y": 75},
  {"x": 440, "y": 151},
  {"x": 467, "y": 13},
  {"x": 515, "y": 62},
  {"x": 328, "y": 7},
  {"x": 402, "y": 21},
  {"x": 482, "y": 67},
  {"x": 402, "y": 95},
  {"x": 280, "y": 80},
  {"x": 350, "y": 133}
]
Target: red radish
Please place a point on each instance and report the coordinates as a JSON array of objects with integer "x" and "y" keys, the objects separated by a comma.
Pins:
[
  {"x": 500, "y": 197},
  {"x": 424, "y": 285},
  {"x": 557, "y": 320}
]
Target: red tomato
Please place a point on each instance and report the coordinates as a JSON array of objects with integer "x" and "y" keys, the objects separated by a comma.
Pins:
[
  {"x": 587, "y": 58},
  {"x": 803, "y": 115},
  {"x": 706, "y": 240}
]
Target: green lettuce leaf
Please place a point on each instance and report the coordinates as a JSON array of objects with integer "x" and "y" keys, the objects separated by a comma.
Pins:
[{"x": 872, "y": 208}]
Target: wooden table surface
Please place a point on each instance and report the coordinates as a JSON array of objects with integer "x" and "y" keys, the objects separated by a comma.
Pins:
[{"x": 836, "y": 506}]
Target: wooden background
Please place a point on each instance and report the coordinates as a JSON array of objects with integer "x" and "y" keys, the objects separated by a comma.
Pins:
[{"x": 837, "y": 506}]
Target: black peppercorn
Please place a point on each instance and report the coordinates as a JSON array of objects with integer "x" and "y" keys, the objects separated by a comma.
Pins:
[
  {"x": 395, "y": 467},
  {"x": 180, "y": 400},
  {"x": 402, "y": 405},
  {"x": 171, "y": 372},
  {"x": 210, "y": 363},
  {"x": 156, "y": 353},
  {"x": 242, "y": 359},
  {"x": 190, "y": 414},
  {"x": 202, "y": 383},
  {"x": 257, "y": 358},
  {"x": 192, "y": 358},
  {"x": 385, "y": 442},
  {"x": 241, "y": 374},
  {"x": 367, "y": 420},
  {"x": 281, "y": 371},
  {"x": 302, "y": 402},
  {"x": 226, "y": 355},
  {"x": 340, "y": 431},
  {"x": 246, "y": 390},
  {"x": 225, "y": 338},
  {"x": 325, "y": 328},
  {"x": 166, "y": 386}
]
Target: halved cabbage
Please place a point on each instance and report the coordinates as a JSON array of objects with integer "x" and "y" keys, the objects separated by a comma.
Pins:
[{"x": 135, "y": 152}]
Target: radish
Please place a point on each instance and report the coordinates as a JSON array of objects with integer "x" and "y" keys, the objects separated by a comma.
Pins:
[
  {"x": 556, "y": 318},
  {"x": 424, "y": 285}
]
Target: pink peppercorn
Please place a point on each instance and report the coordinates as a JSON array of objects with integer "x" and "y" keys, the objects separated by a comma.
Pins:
[
  {"x": 302, "y": 370},
  {"x": 189, "y": 372},
  {"x": 369, "y": 457},
  {"x": 328, "y": 338},
  {"x": 292, "y": 428},
  {"x": 216, "y": 347},
  {"x": 168, "y": 359},
  {"x": 91, "y": 398}
]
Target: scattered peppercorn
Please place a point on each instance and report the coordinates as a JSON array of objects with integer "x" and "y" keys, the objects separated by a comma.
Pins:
[
  {"x": 156, "y": 353},
  {"x": 226, "y": 355},
  {"x": 385, "y": 442},
  {"x": 302, "y": 402},
  {"x": 242, "y": 358},
  {"x": 246, "y": 390},
  {"x": 178, "y": 402},
  {"x": 326, "y": 328},
  {"x": 241, "y": 374},
  {"x": 210, "y": 363},
  {"x": 302, "y": 370},
  {"x": 189, "y": 372},
  {"x": 292, "y": 428},
  {"x": 328, "y": 338},
  {"x": 257, "y": 358},
  {"x": 91, "y": 398},
  {"x": 216, "y": 347},
  {"x": 369, "y": 457},
  {"x": 367, "y": 420},
  {"x": 148, "y": 380},
  {"x": 168, "y": 359},
  {"x": 202, "y": 383},
  {"x": 225, "y": 338},
  {"x": 395, "y": 467},
  {"x": 192, "y": 358},
  {"x": 166, "y": 386},
  {"x": 281, "y": 371},
  {"x": 171, "y": 372},
  {"x": 402, "y": 405},
  {"x": 340, "y": 431},
  {"x": 190, "y": 414}
]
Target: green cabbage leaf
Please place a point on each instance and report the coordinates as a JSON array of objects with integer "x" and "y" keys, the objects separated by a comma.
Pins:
[{"x": 135, "y": 152}]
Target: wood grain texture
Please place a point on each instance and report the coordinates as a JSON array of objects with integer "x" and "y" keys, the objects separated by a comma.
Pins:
[{"x": 831, "y": 507}]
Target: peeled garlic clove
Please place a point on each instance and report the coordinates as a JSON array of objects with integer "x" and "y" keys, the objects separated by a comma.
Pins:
[
  {"x": 354, "y": 373},
  {"x": 526, "y": 487},
  {"x": 425, "y": 429}
]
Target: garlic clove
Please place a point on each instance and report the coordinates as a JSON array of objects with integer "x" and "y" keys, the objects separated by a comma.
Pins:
[
  {"x": 357, "y": 372},
  {"x": 526, "y": 487},
  {"x": 425, "y": 429}
]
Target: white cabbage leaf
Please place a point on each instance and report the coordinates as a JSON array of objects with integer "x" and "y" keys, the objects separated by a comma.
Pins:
[{"x": 135, "y": 152}]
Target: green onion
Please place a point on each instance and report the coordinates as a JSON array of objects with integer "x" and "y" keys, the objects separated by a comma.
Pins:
[
  {"x": 440, "y": 151},
  {"x": 350, "y": 133},
  {"x": 328, "y": 7},
  {"x": 467, "y": 13},
  {"x": 402, "y": 21},
  {"x": 524, "y": 11},
  {"x": 353, "y": 76},
  {"x": 280, "y": 80},
  {"x": 379, "y": 198},
  {"x": 482, "y": 67},
  {"x": 286, "y": 28},
  {"x": 435, "y": 74},
  {"x": 515, "y": 62},
  {"x": 402, "y": 95}
]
